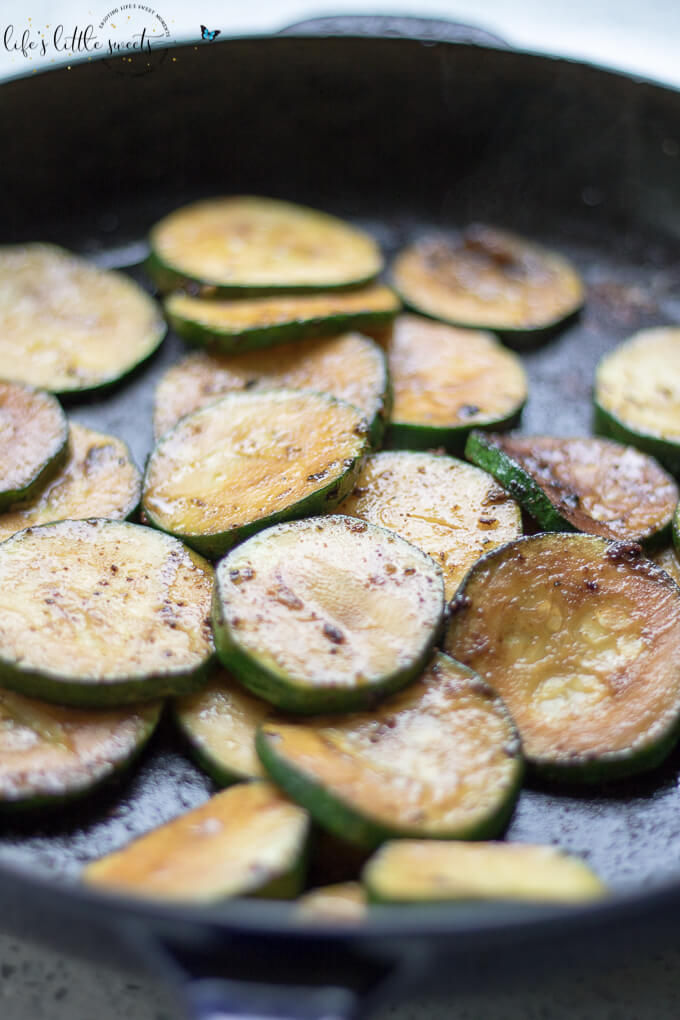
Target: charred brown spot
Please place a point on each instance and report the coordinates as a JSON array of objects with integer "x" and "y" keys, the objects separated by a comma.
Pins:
[
  {"x": 624, "y": 552},
  {"x": 333, "y": 634}
]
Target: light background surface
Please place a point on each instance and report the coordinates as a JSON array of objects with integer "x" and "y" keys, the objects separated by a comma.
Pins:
[{"x": 641, "y": 37}]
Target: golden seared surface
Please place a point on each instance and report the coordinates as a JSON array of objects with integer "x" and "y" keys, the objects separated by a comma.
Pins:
[
  {"x": 236, "y": 316},
  {"x": 343, "y": 902},
  {"x": 248, "y": 456},
  {"x": 451, "y": 510},
  {"x": 639, "y": 382},
  {"x": 51, "y": 751},
  {"x": 259, "y": 242},
  {"x": 580, "y": 637},
  {"x": 234, "y": 844},
  {"x": 33, "y": 429},
  {"x": 667, "y": 559},
  {"x": 67, "y": 325},
  {"x": 599, "y": 486},
  {"x": 220, "y": 720},
  {"x": 330, "y": 601},
  {"x": 98, "y": 480},
  {"x": 349, "y": 366},
  {"x": 420, "y": 870},
  {"x": 436, "y": 759},
  {"x": 490, "y": 278},
  {"x": 97, "y": 601},
  {"x": 443, "y": 376}
]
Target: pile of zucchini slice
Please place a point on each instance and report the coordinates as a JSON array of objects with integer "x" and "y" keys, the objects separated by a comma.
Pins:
[{"x": 379, "y": 656}]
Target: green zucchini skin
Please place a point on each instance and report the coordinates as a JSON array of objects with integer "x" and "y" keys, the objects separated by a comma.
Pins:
[
  {"x": 74, "y": 795},
  {"x": 50, "y": 467},
  {"x": 324, "y": 500},
  {"x": 404, "y": 436},
  {"x": 52, "y": 458},
  {"x": 261, "y": 337},
  {"x": 666, "y": 452},
  {"x": 290, "y": 697},
  {"x": 519, "y": 483},
  {"x": 348, "y": 824},
  {"x": 582, "y": 769}
]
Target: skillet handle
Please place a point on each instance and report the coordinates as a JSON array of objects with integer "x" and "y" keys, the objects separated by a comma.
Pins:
[
  {"x": 219, "y": 999},
  {"x": 380, "y": 26}
]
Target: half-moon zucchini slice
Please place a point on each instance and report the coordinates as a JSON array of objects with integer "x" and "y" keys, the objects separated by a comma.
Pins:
[
  {"x": 419, "y": 871},
  {"x": 33, "y": 441},
  {"x": 584, "y": 484},
  {"x": 246, "y": 244},
  {"x": 350, "y": 367},
  {"x": 326, "y": 614},
  {"x": 637, "y": 394},
  {"x": 250, "y": 460},
  {"x": 452, "y": 511},
  {"x": 102, "y": 613},
  {"x": 440, "y": 760},
  {"x": 233, "y": 326},
  {"x": 98, "y": 479},
  {"x": 50, "y": 754},
  {"x": 66, "y": 325},
  {"x": 581, "y": 638},
  {"x": 447, "y": 381},
  {"x": 342, "y": 903},
  {"x": 487, "y": 278},
  {"x": 248, "y": 840},
  {"x": 220, "y": 722}
]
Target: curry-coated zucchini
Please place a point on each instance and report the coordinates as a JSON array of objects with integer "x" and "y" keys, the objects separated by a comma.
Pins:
[
  {"x": 102, "y": 612},
  {"x": 219, "y": 723},
  {"x": 581, "y": 484},
  {"x": 234, "y": 327},
  {"x": 452, "y": 511},
  {"x": 248, "y": 840},
  {"x": 581, "y": 638},
  {"x": 487, "y": 278},
  {"x": 50, "y": 754},
  {"x": 447, "y": 381},
  {"x": 419, "y": 871},
  {"x": 33, "y": 441},
  {"x": 98, "y": 479},
  {"x": 350, "y": 367},
  {"x": 244, "y": 244},
  {"x": 637, "y": 394},
  {"x": 440, "y": 760},
  {"x": 250, "y": 460},
  {"x": 66, "y": 325},
  {"x": 326, "y": 614},
  {"x": 342, "y": 903}
]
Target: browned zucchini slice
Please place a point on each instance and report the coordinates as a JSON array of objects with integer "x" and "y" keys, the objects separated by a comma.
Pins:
[
  {"x": 637, "y": 394},
  {"x": 220, "y": 722},
  {"x": 350, "y": 367},
  {"x": 452, "y": 511},
  {"x": 326, "y": 614},
  {"x": 246, "y": 243},
  {"x": 581, "y": 638},
  {"x": 66, "y": 325},
  {"x": 418, "y": 871},
  {"x": 239, "y": 326},
  {"x": 591, "y": 485},
  {"x": 101, "y": 613},
  {"x": 439, "y": 760},
  {"x": 248, "y": 840},
  {"x": 98, "y": 479},
  {"x": 344, "y": 902},
  {"x": 33, "y": 441},
  {"x": 50, "y": 754},
  {"x": 488, "y": 279},
  {"x": 251, "y": 460},
  {"x": 667, "y": 559},
  {"x": 447, "y": 381}
]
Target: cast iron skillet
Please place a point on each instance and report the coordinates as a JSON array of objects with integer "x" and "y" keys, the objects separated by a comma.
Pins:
[{"x": 397, "y": 134}]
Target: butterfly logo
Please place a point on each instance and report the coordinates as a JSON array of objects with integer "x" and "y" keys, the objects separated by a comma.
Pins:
[{"x": 208, "y": 35}]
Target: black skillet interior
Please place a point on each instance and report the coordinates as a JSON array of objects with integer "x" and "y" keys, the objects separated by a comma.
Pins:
[{"x": 398, "y": 136}]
